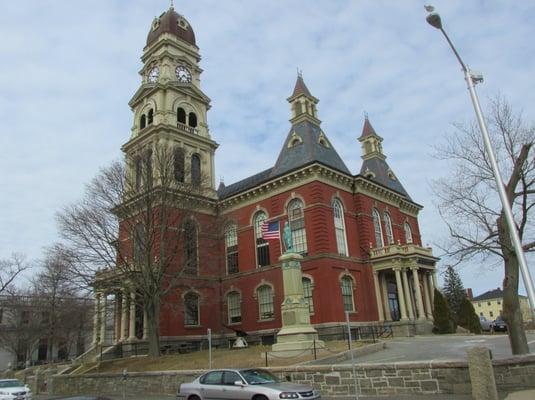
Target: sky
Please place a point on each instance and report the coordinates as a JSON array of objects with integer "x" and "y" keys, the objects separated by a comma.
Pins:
[{"x": 70, "y": 67}]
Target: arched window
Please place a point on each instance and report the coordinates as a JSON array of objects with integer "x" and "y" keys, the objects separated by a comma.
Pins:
[
  {"x": 139, "y": 173},
  {"x": 150, "y": 118},
  {"x": 388, "y": 228},
  {"x": 178, "y": 164},
  {"x": 139, "y": 239},
  {"x": 307, "y": 293},
  {"x": 296, "y": 218},
  {"x": 347, "y": 293},
  {"x": 192, "y": 120},
  {"x": 181, "y": 115},
  {"x": 298, "y": 108},
  {"x": 191, "y": 309},
  {"x": 231, "y": 244},
  {"x": 262, "y": 245},
  {"x": 339, "y": 227},
  {"x": 408, "y": 233},
  {"x": 234, "y": 307},
  {"x": 148, "y": 167},
  {"x": 190, "y": 248},
  {"x": 265, "y": 302},
  {"x": 142, "y": 121},
  {"x": 377, "y": 227},
  {"x": 195, "y": 170}
]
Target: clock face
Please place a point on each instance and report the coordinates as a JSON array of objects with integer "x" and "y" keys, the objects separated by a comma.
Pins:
[
  {"x": 153, "y": 74},
  {"x": 182, "y": 74}
]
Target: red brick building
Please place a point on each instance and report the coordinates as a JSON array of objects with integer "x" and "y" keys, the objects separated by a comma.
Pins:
[{"x": 358, "y": 233}]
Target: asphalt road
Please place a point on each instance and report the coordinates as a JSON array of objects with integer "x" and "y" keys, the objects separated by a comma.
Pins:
[{"x": 450, "y": 347}]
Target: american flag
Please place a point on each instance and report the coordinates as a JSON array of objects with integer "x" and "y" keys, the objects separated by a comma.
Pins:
[{"x": 270, "y": 230}]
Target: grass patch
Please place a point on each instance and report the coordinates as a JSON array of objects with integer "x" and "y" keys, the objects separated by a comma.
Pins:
[{"x": 252, "y": 356}]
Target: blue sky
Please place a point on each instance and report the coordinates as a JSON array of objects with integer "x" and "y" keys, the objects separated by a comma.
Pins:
[{"x": 69, "y": 68}]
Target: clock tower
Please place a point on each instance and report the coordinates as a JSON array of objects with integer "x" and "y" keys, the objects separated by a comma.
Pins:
[{"x": 170, "y": 109}]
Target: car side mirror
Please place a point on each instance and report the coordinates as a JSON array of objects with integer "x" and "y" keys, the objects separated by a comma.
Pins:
[{"x": 238, "y": 383}]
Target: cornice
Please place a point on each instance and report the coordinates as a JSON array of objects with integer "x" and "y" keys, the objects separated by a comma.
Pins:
[
  {"x": 169, "y": 40},
  {"x": 147, "y": 89}
]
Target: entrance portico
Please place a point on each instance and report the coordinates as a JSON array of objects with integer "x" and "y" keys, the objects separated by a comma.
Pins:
[{"x": 404, "y": 278}]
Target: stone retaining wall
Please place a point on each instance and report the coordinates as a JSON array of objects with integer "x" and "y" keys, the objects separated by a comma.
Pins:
[{"x": 334, "y": 381}]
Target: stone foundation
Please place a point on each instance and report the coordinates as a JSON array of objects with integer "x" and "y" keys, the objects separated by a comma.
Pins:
[{"x": 334, "y": 381}]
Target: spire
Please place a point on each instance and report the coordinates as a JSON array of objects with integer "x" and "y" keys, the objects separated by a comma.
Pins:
[
  {"x": 367, "y": 129},
  {"x": 302, "y": 102},
  {"x": 300, "y": 87}
]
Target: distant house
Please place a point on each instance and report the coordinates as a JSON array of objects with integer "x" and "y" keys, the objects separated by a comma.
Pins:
[
  {"x": 37, "y": 330},
  {"x": 490, "y": 305}
]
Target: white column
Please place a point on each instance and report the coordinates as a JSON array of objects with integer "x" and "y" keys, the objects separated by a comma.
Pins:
[
  {"x": 401, "y": 297},
  {"x": 407, "y": 293},
  {"x": 145, "y": 324},
  {"x": 103, "y": 310},
  {"x": 132, "y": 316},
  {"x": 388, "y": 314},
  {"x": 435, "y": 284},
  {"x": 427, "y": 299},
  {"x": 96, "y": 318},
  {"x": 124, "y": 315},
  {"x": 378, "y": 296},
  {"x": 419, "y": 301},
  {"x": 431, "y": 288}
]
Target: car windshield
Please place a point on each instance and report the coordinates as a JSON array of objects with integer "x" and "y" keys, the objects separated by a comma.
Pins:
[
  {"x": 11, "y": 383},
  {"x": 258, "y": 376}
]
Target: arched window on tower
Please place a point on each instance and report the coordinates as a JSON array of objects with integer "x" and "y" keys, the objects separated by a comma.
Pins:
[
  {"x": 181, "y": 115},
  {"x": 191, "y": 309},
  {"x": 192, "y": 120},
  {"x": 262, "y": 245},
  {"x": 298, "y": 108},
  {"x": 142, "y": 122},
  {"x": 231, "y": 244},
  {"x": 234, "y": 307},
  {"x": 377, "y": 228},
  {"x": 388, "y": 228},
  {"x": 339, "y": 227},
  {"x": 138, "y": 172},
  {"x": 150, "y": 118},
  {"x": 190, "y": 248},
  {"x": 195, "y": 170},
  {"x": 178, "y": 162},
  {"x": 296, "y": 219},
  {"x": 408, "y": 233}
]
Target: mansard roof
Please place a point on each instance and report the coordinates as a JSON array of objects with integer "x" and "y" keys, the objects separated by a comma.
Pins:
[{"x": 377, "y": 170}]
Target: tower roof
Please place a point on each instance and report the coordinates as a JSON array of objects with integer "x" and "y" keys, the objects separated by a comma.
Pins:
[
  {"x": 300, "y": 87},
  {"x": 367, "y": 128},
  {"x": 173, "y": 23}
]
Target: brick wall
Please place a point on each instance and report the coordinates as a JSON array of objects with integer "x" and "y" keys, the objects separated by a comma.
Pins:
[{"x": 335, "y": 381}]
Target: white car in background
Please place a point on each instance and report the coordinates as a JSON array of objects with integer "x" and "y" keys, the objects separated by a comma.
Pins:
[{"x": 12, "y": 389}]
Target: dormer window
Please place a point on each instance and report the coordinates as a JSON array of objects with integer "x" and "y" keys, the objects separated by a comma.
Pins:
[
  {"x": 391, "y": 175},
  {"x": 322, "y": 140},
  {"x": 295, "y": 140},
  {"x": 182, "y": 23}
]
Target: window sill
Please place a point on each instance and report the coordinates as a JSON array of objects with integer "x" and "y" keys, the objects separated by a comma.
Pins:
[
  {"x": 265, "y": 320},
  {"x": 234, "y": 323},
  {"x": 192, "y": 326}
]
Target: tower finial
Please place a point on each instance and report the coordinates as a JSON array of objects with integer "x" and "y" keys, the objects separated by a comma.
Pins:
[
  {"x": 299, "y": 73},
  {"x": 365, "y": 114},
  {"x": 171, "y": 6}
]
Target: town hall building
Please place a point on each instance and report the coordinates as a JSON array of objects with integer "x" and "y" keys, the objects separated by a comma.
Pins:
[{"x": 358, "y": 233}]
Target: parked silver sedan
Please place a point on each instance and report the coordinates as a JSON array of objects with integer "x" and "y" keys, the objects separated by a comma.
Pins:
[{"x": 243, "y": 384}]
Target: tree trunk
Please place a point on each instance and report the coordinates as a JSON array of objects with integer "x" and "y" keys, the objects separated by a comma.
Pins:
[
  {"x": 511, "y": 305},
  {"x": 152, "y": 307}
]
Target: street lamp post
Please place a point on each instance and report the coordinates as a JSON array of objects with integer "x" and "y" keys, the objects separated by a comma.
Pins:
[{"x": 472, "y": 78}]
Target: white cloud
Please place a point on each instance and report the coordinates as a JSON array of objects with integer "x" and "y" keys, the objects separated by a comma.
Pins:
[{"x": 70, "y": 67}]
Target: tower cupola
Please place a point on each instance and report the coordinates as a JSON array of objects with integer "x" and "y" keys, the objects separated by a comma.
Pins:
[
  {"x": 172, "y": 23},
  {"x": 371, "y": 142},
  {"x": 303, "y": 103}
]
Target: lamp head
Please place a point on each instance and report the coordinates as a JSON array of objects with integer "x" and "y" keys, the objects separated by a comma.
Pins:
[{"x": 434, "y": 20}]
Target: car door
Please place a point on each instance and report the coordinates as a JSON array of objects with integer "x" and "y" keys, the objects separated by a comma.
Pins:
[
  {"x": 232, "y": 391},
  {"x": 211, "y": 386}
]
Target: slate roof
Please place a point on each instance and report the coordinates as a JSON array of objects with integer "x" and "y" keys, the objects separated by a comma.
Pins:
[
  {"x": 367, "y": 129},
  {"x": 300, "y": 88},
  {"x": 381, "y": 170},
  {"x": 491, "y": 294}
]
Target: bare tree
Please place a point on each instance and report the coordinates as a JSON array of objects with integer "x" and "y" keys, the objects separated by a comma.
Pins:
[
  {"x": 135, "y": 226},
  {"x": 469, "y": 203},
  {"x": 10, "y": 268}
]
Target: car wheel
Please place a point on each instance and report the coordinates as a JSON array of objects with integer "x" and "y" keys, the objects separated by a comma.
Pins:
[
  {"x": 260, "y": 397},
  {"x": 194, "y": 398}
]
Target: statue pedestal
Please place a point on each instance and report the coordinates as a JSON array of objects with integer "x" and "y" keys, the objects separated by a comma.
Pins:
[{"x": 297, "y": 334}]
